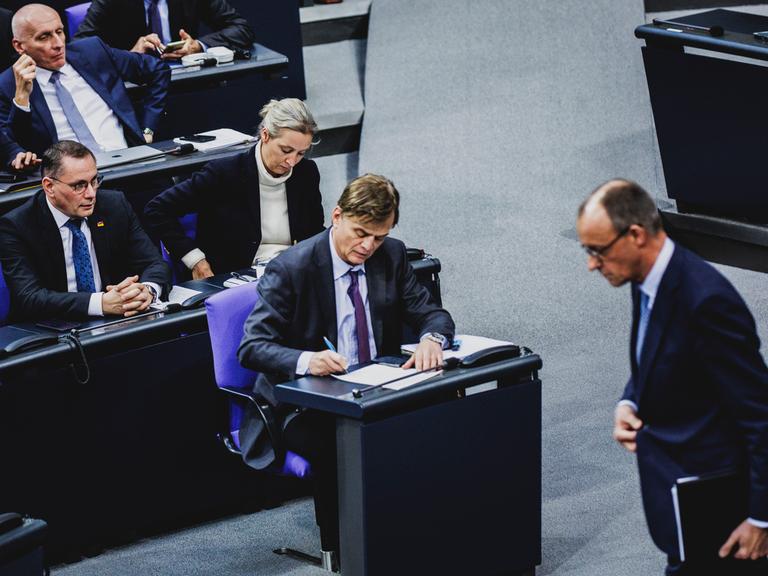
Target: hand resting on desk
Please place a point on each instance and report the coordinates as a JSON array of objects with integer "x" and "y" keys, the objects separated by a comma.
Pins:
[
  {"x": 428, "y": 354},
  {"x": 127, "y": 298}
]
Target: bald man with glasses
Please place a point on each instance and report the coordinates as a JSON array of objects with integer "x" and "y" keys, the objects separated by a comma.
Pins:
[
  {"x": 74, "y": 251},
  {"x": 696, "y": 402}
]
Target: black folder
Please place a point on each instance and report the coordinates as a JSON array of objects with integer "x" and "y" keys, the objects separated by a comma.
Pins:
[{"x": 707, "y": 509}]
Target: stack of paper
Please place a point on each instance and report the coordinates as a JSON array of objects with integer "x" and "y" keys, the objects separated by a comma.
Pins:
[{"x": 468, "y": 344}]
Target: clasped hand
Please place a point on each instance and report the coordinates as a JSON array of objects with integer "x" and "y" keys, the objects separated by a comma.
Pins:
[{"x": 127, "y": 298}]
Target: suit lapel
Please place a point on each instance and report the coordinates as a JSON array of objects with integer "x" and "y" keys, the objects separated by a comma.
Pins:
[
  {"x": 661, "y": 314},
  {"x": 98, "y": 225},
  {"x": 250, "y": 181},
  {"x": 374, "y": 277},
  {"x": 40, "y": 107},
  {"x": 175, "y": 19},
  {"x": 325, "y": 289},
  {"x": 52, "y": 244}
]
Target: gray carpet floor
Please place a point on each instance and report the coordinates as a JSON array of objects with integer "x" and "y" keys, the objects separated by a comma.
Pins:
[{"x": 495, "y": 119}]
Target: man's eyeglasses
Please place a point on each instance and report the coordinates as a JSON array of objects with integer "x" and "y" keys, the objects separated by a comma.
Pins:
[
  {"x": 82, "y": 185},
  {"x": 598, "y": 252}
]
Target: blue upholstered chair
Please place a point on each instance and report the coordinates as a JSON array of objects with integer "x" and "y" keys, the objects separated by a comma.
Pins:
[
  {"x": 227, "y": 312},
  {"x": 75, "y": 16},
  {"x": 5, "y": 298},
  {"x": 179, "y": 272}
]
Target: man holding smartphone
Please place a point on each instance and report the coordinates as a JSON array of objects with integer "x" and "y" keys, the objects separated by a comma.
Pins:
[{"x": 148, "y": 26}]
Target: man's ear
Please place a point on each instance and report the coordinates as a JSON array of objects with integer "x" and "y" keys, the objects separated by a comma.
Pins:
[
  {"x": 47, "y": 185},
  {"x": 336, "y": 216},
  {"x": 639, "y": 235},
  {"x": 17, "y": 46}
]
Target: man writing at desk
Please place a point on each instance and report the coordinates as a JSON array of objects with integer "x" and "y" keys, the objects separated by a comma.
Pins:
[
  {"x": 352, "y": 284},
  {"x": 66, "y": 254},
  {"x": 57, "y": 92}
]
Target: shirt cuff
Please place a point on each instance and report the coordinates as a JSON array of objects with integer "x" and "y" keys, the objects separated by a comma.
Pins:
[
  {"x": 758, "y": 523},
  {"x": 203, "y": 46},
  {"x": 94, "y": 305},
  {"x": 627, "y": 403},
  {"x": 444, "y": 345},
  {"x": 156, "y": 288},
  {"x": 302, "y": 366},
  {"x": 193, "y": 257},
  {"x": 20, "y": 107}
]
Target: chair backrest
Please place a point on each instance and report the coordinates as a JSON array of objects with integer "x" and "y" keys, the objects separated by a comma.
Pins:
[
  {"x": 75, "y": 16},
  {"x": 5, "y": 298},
  {"x": 227, "y": 312}
]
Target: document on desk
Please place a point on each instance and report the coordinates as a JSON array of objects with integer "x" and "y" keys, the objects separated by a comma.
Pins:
[
  {"x": 378, "y": 374},
  {"x": 179, "y": 294},
  {"x": 467, "y": 344}
]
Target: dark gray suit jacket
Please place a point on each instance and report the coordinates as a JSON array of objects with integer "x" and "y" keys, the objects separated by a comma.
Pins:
[
  {"x": 121, "y": 22},
  {"x": 297, "y": 307}
]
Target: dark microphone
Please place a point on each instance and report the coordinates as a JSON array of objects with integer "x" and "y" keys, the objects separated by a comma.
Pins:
[
  {"x": 181, "y": 149},
  {"x": 448, "y": 364}
]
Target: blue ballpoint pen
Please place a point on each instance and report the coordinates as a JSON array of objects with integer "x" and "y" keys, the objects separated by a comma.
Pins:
[{"x": 332, "y": 348}]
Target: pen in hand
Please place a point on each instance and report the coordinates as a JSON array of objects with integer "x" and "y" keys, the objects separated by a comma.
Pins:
[{"x": 332, "y": 348}]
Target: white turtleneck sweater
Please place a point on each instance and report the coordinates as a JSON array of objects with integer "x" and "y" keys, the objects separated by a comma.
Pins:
[{"x": 275, "y": 229}]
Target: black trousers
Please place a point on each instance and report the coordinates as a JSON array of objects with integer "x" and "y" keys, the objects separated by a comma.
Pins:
[
  {"x": 312, "y": 435},
  {"x": 717, "y": 567}
]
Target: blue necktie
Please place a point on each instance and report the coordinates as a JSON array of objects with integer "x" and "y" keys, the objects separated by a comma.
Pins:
[
  {"x": 81, "y": 257},
  {"x": 361, "y": 321},
  {"x": 154, "y": 22},
  {"x": 75, "y": 119},
  {"x": 642, "y": 324}
]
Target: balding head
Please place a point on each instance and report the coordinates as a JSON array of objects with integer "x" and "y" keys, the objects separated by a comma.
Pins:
[
  {"x": 620, "y": 228},
  {"x": 39, "y": 34},
  {"x": 27, "y": 16},
  {"x": 626, "y": 203}
]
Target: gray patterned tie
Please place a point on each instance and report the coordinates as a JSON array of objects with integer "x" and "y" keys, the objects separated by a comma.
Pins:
[{"x": 73, "y": 115}]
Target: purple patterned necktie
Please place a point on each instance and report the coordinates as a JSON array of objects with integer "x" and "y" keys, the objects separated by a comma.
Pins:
[
  {"x": 361, "y": 322},
  {"x": 153, "y": 17}
]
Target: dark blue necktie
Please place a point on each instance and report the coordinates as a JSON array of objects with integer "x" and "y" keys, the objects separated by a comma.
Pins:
[
  {"x": 361, "y": 321},
  {"x": 75, "y": 119},
  {"x": 81, "y": 257},
  {"x": 642, "y": 325},
  {"x": 155, "y": 23}
]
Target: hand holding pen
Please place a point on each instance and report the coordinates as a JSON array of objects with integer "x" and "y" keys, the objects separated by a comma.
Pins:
[{"x": 328, "y": 361}]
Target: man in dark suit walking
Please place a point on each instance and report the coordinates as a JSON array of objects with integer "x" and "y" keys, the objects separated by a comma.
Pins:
[
  {"x": 352, "y": 284},
  {"x": 56, "y": 92},
  {"x": 697, "y": 399},
  {"x": 66, "y": 254},
  {"x": 147, "y": 26}
]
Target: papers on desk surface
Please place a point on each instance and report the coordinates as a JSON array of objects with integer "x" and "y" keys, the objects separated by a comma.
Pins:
[
  {"x": 377, "y": 374},
  {"x": 224, "y": 138},
  {"x": 468, "y": 344},
  {"x": 179, "y": 294}
]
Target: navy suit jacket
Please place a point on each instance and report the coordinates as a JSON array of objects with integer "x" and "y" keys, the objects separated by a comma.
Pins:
[
  {"x": 32, "y": 256},
  {"x": 701, "y": 388},
  {"x": 225, "y": 196},
  {"x": 121, "y": 22},
  {"x": 105, "y": 70},
  {"x": 297, "y": 307}
]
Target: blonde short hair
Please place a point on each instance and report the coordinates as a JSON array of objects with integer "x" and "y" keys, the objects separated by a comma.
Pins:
[{"x": 287, "y": 114}]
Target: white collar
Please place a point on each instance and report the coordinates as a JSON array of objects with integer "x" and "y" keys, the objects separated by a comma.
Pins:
[
  {"x": 264, "y": 176},
  {"x": 59, "y": 217},
  {"x": 43, "y": 75},
  {"x": 339, "y": 266},
  {"x": 650, "y": 285}
]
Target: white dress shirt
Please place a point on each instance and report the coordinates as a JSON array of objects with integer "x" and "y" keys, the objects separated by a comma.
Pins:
[
  {"x": 345, "y": 312},
  {"x": 61, "y": 219},
  {"x": 100, "y": 119}
]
